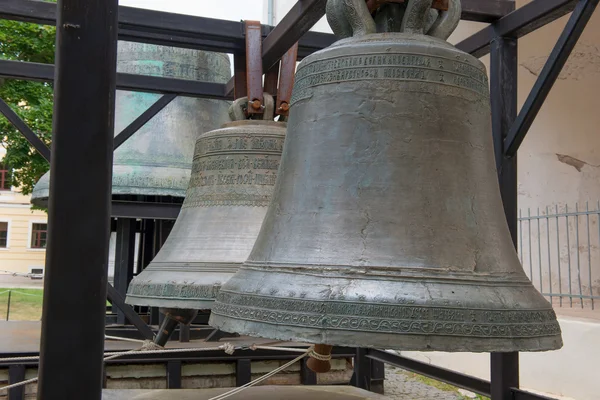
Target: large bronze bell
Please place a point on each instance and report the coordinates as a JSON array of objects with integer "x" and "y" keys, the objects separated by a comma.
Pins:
[
  {"x": 157, "y": 159},
  {"x": 386, "y": 227},
  {"x": 233, "y": 177}
]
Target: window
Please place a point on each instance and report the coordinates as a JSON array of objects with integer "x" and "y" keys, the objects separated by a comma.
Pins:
[
  {"x": 5, "y": 175},
  {"x": 3, "y": 234},
  {"x": 39, "y": 235}
]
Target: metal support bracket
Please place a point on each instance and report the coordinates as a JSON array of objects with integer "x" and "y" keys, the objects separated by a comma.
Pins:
[
  {"x": 140, "y": 121},
  {"x": 22, "y": 127},
  {"x": 117, "y": 300},
  {"x": 286, "y": 81},
  {"x": 254, "y": 70},
  {"x": 554, "y": 65}
]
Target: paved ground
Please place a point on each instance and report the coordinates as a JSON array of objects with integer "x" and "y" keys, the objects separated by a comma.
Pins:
[
  {"x": 21, "y": 282},
  {"x": 400, "y": 385}
]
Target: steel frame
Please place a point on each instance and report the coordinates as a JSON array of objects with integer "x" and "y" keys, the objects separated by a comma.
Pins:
[{"x": 500, "y": 38}]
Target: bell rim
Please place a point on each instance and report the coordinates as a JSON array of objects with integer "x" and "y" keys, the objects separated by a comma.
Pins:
[
  {"x": 402, "y": 342},
  {"x": 330, "y": 310},
  {"x": 168, "y": 302},
  {"x": 251, "y": 122}
]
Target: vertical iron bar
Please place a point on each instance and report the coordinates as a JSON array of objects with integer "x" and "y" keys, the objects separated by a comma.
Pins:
[
  {"x": 8, "y": 306},
  {"x": 569, "y": 254},
  {"x": 521, "y": 236},
  {"x": 362, "y": 369},
  {"x": 587, "y": 217},
  {"x": 560, "y": 297},
  {"x": 184, "y": 333},
  {"x": 147, "y": 243},
  {"x": 243, "y": 372},
  {"x": 530, "y": 259},
  {"x": 75, "y": 284},
  {"x": 104, "y": 378},
  {"x": 16, "y": 374},
  {"x": 503, "y": 87},
  {"x": 377, "y": 376},
  {"x": 549, "y": 258},
  {"x": 307, "y": 376},
  {"x": 124, "y": 259},
  {"x": 558, "y": 253},
  {"x": 174, "y": 374},
  {"x": 539, "y": 240},
  {"x": 577, "y": 253},
  {"x": 598, "y": 218}
]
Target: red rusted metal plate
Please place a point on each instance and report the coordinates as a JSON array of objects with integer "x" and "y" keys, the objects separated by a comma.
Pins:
[
  {"x": 286, "y": 80},
  {"x": 254, "y": 70}
]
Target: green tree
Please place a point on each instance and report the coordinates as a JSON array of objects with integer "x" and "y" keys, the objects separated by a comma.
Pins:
[{"x": 32, "y": 101}]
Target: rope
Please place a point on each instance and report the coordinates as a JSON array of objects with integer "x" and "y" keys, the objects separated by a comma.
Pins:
[
  {"x": 318, "y": 356},
  {"x": 262, "y": 378},
  {"x": 15, "y": 359},
  {"x": 225, "y": 347},
  {"x": 123, "y": 339},
  {"x": 290, "y": 349},
  {"x": 14, "y": 385}
]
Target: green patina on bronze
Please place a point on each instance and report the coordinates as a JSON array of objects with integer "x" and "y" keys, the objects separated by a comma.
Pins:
[{"x": 157, "y": 159}]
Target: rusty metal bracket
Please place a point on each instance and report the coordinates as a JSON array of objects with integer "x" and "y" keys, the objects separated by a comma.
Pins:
[
  {"x": 254, "y": 70},
  {"x": 286, "y": 81}
]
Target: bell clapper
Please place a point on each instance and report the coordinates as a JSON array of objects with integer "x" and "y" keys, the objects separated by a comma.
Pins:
[
  {"x": 173, "y": 317},
  {"x": 320, "y": 358}
]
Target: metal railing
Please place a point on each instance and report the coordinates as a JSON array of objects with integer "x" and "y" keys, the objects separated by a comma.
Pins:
[{"x": 559, "y": 248}]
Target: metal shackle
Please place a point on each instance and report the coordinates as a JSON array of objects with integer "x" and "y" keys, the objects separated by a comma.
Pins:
[
  {"x": 349, "y": 18},
  {"x": 236, "y": 110}
]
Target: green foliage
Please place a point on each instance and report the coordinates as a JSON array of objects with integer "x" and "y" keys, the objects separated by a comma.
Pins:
[{"x": 32, "y": 101}]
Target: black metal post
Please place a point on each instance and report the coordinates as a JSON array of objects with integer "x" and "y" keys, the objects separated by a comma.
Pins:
[
  {"x": 72, "y": 337},
  {"x": 8, "y": 305},
  {"x": 362, "y": 369},
  {"x": 174, "y": 374},
  {"x": 377, "y": 376},
  {"x": 184, "y": 333},
  {"x": 503, "y": 86},
  {"x": 16, "y": 374},
  {"x": 243, "y": 371},
  {"x": 146, "y": 244},
  {"x": 124, "y": 259},
  {"x": 307, "y": 376}
]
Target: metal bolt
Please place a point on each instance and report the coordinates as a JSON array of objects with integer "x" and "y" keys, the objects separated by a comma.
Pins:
[{"x": 256, "y": 104}]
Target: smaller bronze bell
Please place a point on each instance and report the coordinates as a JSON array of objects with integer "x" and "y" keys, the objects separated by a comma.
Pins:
[{"x": 233, "y": 175}]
